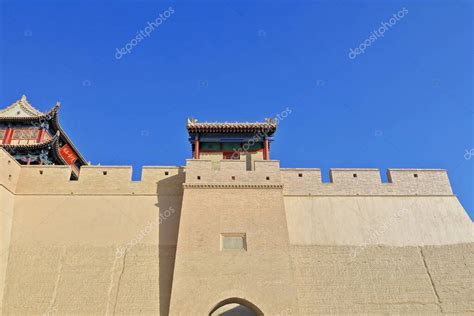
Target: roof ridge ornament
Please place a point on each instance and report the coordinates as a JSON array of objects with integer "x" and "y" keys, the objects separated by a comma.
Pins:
[
  {"x": 192, "y": 120},
  {"x": 270, "y": 120}
]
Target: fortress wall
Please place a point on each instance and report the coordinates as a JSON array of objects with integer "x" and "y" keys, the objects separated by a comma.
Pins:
[
  {"x": 92, "y": 246},
  {"x": 215, "y": 205},
  {"x": 366, "y": 182},
  {"x": 373, "y": 220},
  {"x": 102, "y": 244},
  {"x": 381, "y": 279}
]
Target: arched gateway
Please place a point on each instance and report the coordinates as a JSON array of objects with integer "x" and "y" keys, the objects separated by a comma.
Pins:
[{"x": 235, "y": 306}]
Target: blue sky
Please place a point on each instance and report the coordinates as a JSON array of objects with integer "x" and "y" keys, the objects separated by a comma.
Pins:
[{"x": 406, "y": 102}]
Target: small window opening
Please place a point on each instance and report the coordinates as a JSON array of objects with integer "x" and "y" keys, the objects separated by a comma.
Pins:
[
  {"x": 199, "y": 177},
  {"x": 166, "y": 173},
  {"x": 233, "y": 177},
  {"x": 268, "y": 178},
  {"x": 300, "y": 175},
  {"x": 41, "y": 171},
  {"x": 233, "y": 241},
  {"x": 104, "y": 173},
  {"x": 415, "y": 175},
  {"x": 355, "y": 175}
]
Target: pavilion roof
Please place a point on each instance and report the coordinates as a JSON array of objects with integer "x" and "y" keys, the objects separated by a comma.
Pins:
[
  {"x": 193, "y": 126},
  {"x": 23, "y": 111}
]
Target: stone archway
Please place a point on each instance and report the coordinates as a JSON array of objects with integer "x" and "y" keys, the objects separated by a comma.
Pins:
[{"x": 235, "y": 307}]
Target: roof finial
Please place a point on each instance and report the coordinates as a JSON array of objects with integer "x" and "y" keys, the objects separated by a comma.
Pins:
[
  {"x": 270, "y": 120},
  {"x": 23, "y": 98}
]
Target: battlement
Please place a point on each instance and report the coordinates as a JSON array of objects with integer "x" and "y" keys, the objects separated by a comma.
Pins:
[
  {"x": 99, "y": 180},
  {"x": 366, "y": 182}
]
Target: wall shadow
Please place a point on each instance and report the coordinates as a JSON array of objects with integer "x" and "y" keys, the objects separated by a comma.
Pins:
[{"x": 169, "y": 193}]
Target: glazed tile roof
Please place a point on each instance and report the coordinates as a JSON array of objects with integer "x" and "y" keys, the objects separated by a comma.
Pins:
[
  {"x": 29, "y": 113},
  {"x": 21, "y": 107},
  {"x": 193, "y": 126}
]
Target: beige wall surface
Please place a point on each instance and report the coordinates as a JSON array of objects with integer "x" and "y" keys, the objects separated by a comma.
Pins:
[
  {"x": 6, "y": 220},
  {"x": 9, "y": 175},
  {"x": 100, "y": 245},
  {"x": 91, "y": 254},
  {"x": 335, "y": 280},
  {"x": 374, "y": 220}
]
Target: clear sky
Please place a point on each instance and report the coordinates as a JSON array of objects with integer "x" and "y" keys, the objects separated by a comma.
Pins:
[{"x": 406, "y": 101}]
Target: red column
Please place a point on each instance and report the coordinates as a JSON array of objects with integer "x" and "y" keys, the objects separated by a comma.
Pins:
[
  {"x": 40, "y": 135},
  {"x": 196, "y": 148},
  {"x": 4, "y": 139},
  {"x": 8, "y": 136},
  {"x": 266, "y": 152}
]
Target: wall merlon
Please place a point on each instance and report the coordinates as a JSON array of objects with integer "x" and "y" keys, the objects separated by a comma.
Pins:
[
  {"x": 105, "y": 174},
  {"x": 267, "y": 165},
  {"x": 399, "y": 175},
  {"x": 198, "y": 164},
  {"x": 45, "y": 173},
  {"x": 158, "y": 173},
  {"x": 10, "y": 171},
  {"x": 355, "y": 176},
  {"x": 305, "y": 176}
]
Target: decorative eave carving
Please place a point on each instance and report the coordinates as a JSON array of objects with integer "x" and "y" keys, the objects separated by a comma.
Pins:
[{"x": 50, "y": 142}]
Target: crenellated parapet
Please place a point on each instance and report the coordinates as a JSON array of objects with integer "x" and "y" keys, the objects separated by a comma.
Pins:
[
  {"x": 300, "y": 181},
  {"x": 93, "y": 180},
  {"x": 200, "y": 173},
  {"x": 366, "y": 182}
]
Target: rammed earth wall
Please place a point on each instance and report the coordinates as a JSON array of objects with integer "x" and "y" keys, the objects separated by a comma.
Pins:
[{"x": 353, "y": 245}]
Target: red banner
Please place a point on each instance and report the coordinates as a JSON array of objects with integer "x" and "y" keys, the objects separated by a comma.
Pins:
[{"x": 68, "y": 155}]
